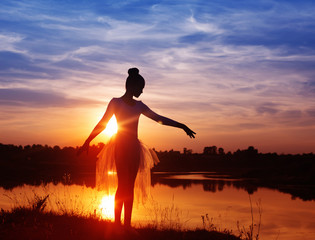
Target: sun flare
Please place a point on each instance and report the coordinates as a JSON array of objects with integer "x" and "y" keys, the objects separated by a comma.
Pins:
[
  {"x": 107, "y": 206},
  {"x": 111, "y": 127}
]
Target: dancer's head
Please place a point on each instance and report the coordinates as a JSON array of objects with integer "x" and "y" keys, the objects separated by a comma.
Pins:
[{"x": 135, "y": 82}]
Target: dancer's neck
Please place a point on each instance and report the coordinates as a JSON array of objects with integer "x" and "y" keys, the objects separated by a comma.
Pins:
[{"x": 128, "y": 98}]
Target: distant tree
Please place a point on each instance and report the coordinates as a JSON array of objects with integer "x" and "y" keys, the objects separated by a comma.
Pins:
[
  {"x": 221, "y": 151},
  {"x": 249, "y": 153},
  {"x": 27, "y": 147},
  {"x": 56, "y": 148},
  {"x": 252, "y": 150},
  {"x": 210, "y": 150},
  {"x": 37, "y": 147},
  {"x": 187, "y": 151},
  {"x": 229, "y": 154}
]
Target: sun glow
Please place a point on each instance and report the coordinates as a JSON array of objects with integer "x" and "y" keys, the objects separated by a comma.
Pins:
[
  {"x": 111, "y": 127},
  {"x": 111, "y": 173},
  {"x": 107, "y": 206}
]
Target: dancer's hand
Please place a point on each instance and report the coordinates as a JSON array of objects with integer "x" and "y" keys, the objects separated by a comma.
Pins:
[
  {"x": 189, "y": 132},
  {"x": 84, "y": 147}
]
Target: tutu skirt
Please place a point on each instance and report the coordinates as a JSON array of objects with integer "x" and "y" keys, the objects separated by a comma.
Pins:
[{"x": 106, "y": 175}]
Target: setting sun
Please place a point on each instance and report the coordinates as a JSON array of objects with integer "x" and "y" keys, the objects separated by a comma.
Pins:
[{"x": 111, "y": 127}]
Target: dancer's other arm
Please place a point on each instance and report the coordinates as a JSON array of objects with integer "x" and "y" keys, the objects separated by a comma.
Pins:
[
  {"x": 166, "y": 121},
  {"x": 100, "y": 126}
]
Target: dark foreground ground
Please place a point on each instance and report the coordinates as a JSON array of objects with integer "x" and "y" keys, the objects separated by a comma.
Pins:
[{"x": 21, "y": 223}]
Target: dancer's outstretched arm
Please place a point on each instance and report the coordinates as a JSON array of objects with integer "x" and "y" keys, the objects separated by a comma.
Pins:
[
  {"x": 100, "y": 126},
  {"x": 166, "y": 121}
]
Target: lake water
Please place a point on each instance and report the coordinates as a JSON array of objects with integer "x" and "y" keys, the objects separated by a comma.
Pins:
[{"x": 187, "y": 200}]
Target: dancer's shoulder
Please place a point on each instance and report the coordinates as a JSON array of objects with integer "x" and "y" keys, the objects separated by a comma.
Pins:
[
  {"x": 142, "y": 106},
  {"x": 140, "y": 103},
  {"x": 115, "y": 100}
]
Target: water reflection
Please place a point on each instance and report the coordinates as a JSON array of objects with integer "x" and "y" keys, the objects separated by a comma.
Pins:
[
  {"x": 87, "y": 201},
  {"x": 62, "y": 199},
  {"x": 214, "y": 182},
  {"x": 211, "y": 181},
  {"x": 107, "y": 206},
  {"x": 180, "y": 201},
  {"x": 227, "y": 205}
]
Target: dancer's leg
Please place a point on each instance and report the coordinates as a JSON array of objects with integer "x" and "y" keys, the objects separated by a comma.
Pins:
[
  {"x": 128, "y": 204},
  {"x": 118, "y": 205},
  {"x": 125, "y": 195},
  {"x": 127, "y": 164}
]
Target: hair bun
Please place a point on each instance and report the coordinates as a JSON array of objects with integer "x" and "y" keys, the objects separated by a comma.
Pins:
[{"x": 133, "y": 71}]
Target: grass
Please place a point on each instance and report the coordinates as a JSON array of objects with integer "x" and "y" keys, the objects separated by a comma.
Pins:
[
  {"x": 253, "y": 230},
  {"x": 55, "y": 212},
  {"x": 164, "y": 218},
  {"x": 32, "y": 222},
  {"x": 22, "y": 223}
]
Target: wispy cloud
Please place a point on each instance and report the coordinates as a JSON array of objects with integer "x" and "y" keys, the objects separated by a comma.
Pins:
[
  {"x": 242, "y": 64},
  {"x": 39, "y": 98},
  {"x": 9, "y": 41}
]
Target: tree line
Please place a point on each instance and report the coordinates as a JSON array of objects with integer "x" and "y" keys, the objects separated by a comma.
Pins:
[{"x": 34, "y": 164}]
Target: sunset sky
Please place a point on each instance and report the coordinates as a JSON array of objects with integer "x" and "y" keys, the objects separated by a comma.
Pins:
[{"x": 239, "y": 73}]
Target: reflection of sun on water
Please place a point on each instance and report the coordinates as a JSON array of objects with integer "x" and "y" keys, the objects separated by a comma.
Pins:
[
  {"x": 111, "y": 127},
  {"x": 107, "y": 204},
  {"x": 107, "y": 207},
  {"x": 85, "y": 201}
]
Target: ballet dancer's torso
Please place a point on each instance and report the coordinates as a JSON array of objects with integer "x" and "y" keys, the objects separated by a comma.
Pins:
[
  {"x": 127, "y": 143},
  {"x": 127, "y": 117}
]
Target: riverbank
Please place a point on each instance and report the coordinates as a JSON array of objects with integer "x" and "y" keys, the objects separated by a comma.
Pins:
[{"x": 28, "y": 223}]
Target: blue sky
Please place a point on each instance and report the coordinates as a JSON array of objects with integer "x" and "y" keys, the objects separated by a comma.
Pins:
[{"x": 239, "y": 73}]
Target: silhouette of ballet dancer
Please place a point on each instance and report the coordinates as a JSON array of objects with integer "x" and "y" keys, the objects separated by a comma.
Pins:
[{"x": 125, "y": 153}]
